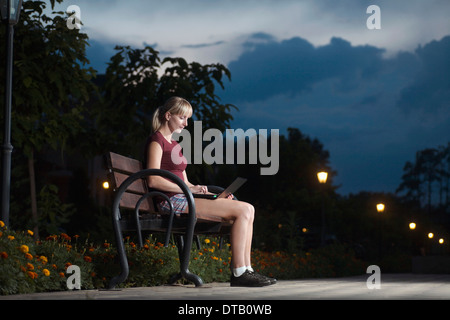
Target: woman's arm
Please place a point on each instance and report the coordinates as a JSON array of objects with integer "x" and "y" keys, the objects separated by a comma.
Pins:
[
  {"x": 154, "y": 156},
  {"x": 194, "y": 188}
]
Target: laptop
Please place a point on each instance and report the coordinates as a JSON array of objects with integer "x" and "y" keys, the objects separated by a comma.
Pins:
[{"x": 236, "y": 184}]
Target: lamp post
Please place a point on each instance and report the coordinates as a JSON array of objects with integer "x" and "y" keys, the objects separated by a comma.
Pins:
[
  {"x": 380, "y": 209},
  {"x": 322, "y": 177},
  {"x": 10, "y": 13},
  {"x": 412, "y": 227}
]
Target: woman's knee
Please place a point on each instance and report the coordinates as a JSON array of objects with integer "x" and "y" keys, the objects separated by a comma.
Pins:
[{"x": 247, "y": 211}]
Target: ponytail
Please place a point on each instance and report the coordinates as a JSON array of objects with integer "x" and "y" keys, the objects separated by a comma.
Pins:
[{"x": 156, "y": 122}]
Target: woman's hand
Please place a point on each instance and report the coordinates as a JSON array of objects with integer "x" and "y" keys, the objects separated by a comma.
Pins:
[{"x": 199, "y": 189}]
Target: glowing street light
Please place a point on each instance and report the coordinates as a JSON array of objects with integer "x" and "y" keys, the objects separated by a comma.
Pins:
[
  {"x": 441, "y": 241},
  {"x": 322, "y": 177},
  {"x": 431, "y": 235},
  {"x": 381, "y": 207},
  {"x": 412, "y": 226}
]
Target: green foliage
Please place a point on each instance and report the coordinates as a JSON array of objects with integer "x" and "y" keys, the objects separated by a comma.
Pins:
[
  {"x": 137, "y": 82},
  {"x": 330, "y": 261},
  {"x": 52, "y": 212},
  {"x": 426, "y": 181},
  {"x": 51, "y": 83},
  {"x": 28, "y": 266}
]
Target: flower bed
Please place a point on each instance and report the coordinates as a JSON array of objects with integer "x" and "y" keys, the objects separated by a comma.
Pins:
[{"x": 29, "y": 266}]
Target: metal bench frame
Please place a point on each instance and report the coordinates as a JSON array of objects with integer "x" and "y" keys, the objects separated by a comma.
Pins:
[{"x": 184, "y": 226}]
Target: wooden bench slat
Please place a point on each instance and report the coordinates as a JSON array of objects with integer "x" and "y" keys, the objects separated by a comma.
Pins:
[
  {"x": 137, "y": 187},
  {"x": 129, "y": 201},
  {"x": 124, "y": 164}
]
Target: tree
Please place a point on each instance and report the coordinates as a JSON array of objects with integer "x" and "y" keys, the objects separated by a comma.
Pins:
[
  {"x": 137, "y": 82},
  {"x": 51, "y": 85},
  {"x": 429, "y": 173},
  {"x": 291, "y": 199}
]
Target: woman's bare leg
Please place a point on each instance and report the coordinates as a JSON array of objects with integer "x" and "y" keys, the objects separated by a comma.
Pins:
[{"x": 242, "y": 215}]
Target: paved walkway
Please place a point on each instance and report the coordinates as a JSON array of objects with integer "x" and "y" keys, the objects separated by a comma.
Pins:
[{"x": 393, "y": 286}]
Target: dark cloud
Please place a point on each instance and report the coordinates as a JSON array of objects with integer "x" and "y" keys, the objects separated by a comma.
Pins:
[
  {"x": 292, "y": 66},
  {"x": 350, "y": 97},
  {"x": 430, "y": 90}
]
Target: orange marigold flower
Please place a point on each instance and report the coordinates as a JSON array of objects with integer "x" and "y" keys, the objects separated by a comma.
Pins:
[
  {"x": 43, "y": 259},
  {"x": 32, "y": 275},
  {"x": 31, "y": 233},
  {"x": 65, "y": 236},
  {"x": 28, "y": 256},
  {"x": 87, "y": 259},
  {"x": 62, "y": 275},
  {"x": 2, "y": 224},
  {"x": 3, "y": 255},
  {"x": 46, "y": 272},
  {"x": 30, "y": 266}
]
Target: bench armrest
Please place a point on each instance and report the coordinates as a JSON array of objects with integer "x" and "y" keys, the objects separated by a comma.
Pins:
[{"x": 149, "y": 172}]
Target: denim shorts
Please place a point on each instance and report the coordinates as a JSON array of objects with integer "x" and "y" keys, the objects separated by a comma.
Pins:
[{"x": 179, "y": 203}]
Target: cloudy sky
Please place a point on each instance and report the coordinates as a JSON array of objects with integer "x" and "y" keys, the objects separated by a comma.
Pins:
[{"x": 373, "y": 97}]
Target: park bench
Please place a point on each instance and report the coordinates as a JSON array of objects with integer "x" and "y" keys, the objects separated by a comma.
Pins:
[{"x": 134, "y": 210}]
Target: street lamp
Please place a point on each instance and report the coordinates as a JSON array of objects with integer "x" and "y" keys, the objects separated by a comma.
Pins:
[
  {"x": 412, "y": 226},
  {"x": 381, "y": 207},
  {"x": 322, "y": 177},
  {"x": 10, "y": 14}
]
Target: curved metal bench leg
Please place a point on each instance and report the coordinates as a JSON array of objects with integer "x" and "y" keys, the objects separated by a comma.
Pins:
[
  {"x": 184, "y": 245},
  {"x": 122, "y": 256}
]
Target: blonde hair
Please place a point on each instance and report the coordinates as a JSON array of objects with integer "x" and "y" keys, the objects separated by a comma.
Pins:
[{"x": 174, "y": 105}]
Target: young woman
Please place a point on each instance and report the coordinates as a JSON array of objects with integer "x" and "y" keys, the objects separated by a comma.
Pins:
[{"x": 170, "y": 118}]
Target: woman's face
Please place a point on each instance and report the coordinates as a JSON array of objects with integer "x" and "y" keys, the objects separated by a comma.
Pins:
[{"x": 177, "y": 122}]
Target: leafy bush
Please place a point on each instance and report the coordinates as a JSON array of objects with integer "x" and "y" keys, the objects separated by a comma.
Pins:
[{"x": 28, "y": 266}]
